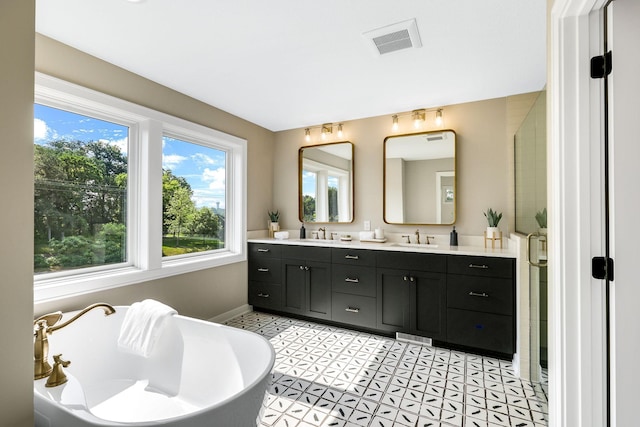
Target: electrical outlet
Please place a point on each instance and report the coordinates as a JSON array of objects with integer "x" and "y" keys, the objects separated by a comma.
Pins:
[{"x": 367, "y": 226}]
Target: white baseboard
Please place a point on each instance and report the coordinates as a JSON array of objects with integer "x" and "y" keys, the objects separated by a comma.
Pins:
[{"x": 221, "y": 318}]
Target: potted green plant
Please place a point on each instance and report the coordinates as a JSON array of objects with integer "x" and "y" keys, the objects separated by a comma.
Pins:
[
  {"x": 541, "y": 219},
  {"x": 274, "y": 224},
  {"x": 493, "y": 219}
]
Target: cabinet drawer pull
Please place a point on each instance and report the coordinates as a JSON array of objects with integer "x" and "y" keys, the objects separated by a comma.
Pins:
[
  {"x": 350, "y": 280},
  {"x": 352, "y": 310},
  {"x": 263, "y": 250},
  {"x": 477, "y": 294},
  {"x": 263, "y": 270},
  {"x": 261, "y": 295},
  {"x": 351, "y": 257},
  {"x": 482, "y": 266}
]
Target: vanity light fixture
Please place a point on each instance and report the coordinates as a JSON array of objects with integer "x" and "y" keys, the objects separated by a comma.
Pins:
[
  {"x": 439, "y": 117},
  {"x": 327, "y": 129},
  {"x": 418, "y": 117}
]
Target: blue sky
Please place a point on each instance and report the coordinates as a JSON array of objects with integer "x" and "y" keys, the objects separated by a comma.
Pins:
[{"x": 202, "y": 167}]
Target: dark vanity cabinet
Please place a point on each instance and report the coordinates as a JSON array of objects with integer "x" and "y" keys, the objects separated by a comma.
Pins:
[
  {"x": 353, "y": 284},
  {"x": 461, "y": 300},
  {"x": 411, "y": 290},
  {"x": 481, "y": 303},
  {"x": 265, "y": 276},
  {"x": 306, "y": 281}
]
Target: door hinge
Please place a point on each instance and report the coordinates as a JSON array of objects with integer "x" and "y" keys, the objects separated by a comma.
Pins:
[
  {"x": 602, "y": 268},
  {"x": 601, "y": 66}
]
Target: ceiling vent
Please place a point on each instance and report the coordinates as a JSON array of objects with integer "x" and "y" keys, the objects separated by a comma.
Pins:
[{"x": 394, "y": 37}]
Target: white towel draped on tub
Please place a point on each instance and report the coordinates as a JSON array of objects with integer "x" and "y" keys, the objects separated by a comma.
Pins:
[{"x": 142, "y": 326}]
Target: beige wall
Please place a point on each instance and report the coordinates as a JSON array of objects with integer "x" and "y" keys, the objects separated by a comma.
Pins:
[
  {"x": 16, "y": 216},
  {"x": 202, "y": 294},
  {"x": 484, "y": 132}
]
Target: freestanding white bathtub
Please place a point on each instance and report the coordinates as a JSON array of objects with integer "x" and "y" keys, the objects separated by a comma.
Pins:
[{"x": 198, "y": 374}]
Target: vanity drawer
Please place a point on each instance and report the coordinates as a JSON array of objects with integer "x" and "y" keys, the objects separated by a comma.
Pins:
[
  {"x": 266, "y": 295},
  {"x": 353, "y": 256},
  {"x": 486, "y": 294},
  {"x": 485, "y": 331},
  {"x": 481, "y": 266},
  {"x": 312, "y": 253},
  {"x": 412, "y": 261},
  {"x": 353, "y": 309},
  {"x": 264, "y": 250},
  {"x": 354, "y": 280},
  {"x": 265, "y": 270}
]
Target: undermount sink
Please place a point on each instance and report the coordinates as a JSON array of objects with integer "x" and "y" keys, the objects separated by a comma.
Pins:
[{"x": 416, "y": 245}]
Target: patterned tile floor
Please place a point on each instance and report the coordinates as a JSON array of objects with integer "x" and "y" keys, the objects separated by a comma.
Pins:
[{"x": 329, "y": 376}]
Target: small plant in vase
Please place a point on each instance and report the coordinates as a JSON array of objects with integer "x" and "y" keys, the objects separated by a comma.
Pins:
[
  {"x": 541, "y": 219},
  {"x": 274, "y": 224},
  {"x": 493, "y": 219}
]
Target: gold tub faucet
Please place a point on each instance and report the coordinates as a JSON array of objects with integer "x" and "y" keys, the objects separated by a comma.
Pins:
[{"x": 46, "y": 325}]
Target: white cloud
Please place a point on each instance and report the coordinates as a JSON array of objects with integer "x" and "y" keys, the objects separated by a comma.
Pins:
[
  {"x": 123, "y": 143},
  {"x": 203, "y": 159},
  {"x": 170, "y": 161},
  {"x": 215, "y": 178},
  {"x": 40, "y": 129},
  {"x": 209, "y": 198}
]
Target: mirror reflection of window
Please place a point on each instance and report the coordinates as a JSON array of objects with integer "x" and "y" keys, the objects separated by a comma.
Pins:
[{"x": 326, "y": 183}]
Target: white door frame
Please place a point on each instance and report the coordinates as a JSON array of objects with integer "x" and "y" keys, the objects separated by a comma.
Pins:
[{"x": 576, "y": 316}]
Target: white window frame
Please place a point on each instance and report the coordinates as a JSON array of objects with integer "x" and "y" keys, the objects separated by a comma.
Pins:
[
  {"x": 323, "y": 172},
  {"x": 144, "y": 221}
]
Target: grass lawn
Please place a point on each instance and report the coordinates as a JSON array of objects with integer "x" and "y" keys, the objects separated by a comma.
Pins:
[{"x": 188, "y": 244}]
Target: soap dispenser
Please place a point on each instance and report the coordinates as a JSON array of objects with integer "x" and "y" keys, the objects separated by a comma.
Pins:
[
  {"x": 453, "y": 237},
  {"x": 303, "y": 232}
]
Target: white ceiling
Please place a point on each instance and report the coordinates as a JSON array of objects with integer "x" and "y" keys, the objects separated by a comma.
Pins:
[{"x": 286, "y": 64}]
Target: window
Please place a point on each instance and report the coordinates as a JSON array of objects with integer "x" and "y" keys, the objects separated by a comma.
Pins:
[
  {"x": 193, "y": 197},
  {"x": 125, "y": 194},
  {"x": 80, "y": 185},
  {"x": 325, "y": 192}
]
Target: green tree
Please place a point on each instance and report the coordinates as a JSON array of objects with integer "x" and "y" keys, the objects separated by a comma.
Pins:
[
  {"x": 333, "y": 203},
  {"x": 170, "y": 184},
  {"x": 205, "y": 223},
  {"x": 180, "y": 210},
  {"x": 309, "y": 208}
]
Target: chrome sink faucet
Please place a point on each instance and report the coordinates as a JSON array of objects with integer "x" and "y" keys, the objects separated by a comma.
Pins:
[
  {"x": 46, "y": 325},
  {"x": 418, "y": 237},
  {"x": 324, "y": 231}
]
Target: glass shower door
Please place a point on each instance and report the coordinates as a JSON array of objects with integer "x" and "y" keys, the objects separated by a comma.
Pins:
[{"x": 531, "y": 220}]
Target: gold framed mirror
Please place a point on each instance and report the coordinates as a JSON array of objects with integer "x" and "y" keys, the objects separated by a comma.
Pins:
[
  {"x": 419, "y": 185},
  {"x": 325, "y": 183}
]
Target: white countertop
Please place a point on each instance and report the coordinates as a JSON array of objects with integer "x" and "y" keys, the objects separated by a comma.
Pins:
[{"x": 394, "y": 246}]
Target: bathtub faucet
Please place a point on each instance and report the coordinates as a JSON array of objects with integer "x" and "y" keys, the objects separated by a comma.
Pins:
[{"x": 46, "y": 325}]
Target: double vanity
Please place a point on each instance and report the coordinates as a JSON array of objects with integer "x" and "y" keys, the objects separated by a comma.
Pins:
[{"x": 461, "y": 297}]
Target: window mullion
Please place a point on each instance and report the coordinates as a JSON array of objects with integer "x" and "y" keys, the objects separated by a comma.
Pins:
[{"x": 149, "y": 216}]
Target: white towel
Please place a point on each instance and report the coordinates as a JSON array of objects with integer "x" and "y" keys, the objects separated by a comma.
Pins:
[{"x": 142, "y": 326}]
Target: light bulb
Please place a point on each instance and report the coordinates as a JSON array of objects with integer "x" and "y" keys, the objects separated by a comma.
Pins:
[
  {"x": 340, "y": 130},
  {"x": 439, "y": 117},
  {"x": 394, "y": 127},
  {"x": 307, "y": 135}
]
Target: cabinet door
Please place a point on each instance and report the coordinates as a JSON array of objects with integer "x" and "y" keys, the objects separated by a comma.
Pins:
[
  {"x": 430, "y": 309},
  {"x": 394, "y": 293},
  {"x": 293, "y": 286},
  {"x": 318, "y": 289}
]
